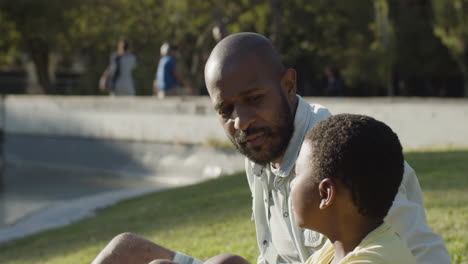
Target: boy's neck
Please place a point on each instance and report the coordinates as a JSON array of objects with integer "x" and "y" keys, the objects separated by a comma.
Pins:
[{"x": 348, "y": 235}]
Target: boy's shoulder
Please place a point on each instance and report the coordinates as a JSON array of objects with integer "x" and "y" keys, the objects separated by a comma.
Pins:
[{"x": 382, "y": 245}]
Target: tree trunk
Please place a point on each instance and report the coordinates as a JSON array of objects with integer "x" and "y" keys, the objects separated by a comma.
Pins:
[
  {"x": 465, "y": 85},
  {"x": 464, "y": 71},
  {"x": 276, "y": 17},
  {"x": 40, "y": 56}
]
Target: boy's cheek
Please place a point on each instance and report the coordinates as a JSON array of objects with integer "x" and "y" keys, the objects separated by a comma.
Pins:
[{"x": 295, "y": 202}]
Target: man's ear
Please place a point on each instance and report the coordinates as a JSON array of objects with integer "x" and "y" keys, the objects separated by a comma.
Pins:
[
  {"x": 288, "y": 83},
  {"x": 327, "y": 191}
]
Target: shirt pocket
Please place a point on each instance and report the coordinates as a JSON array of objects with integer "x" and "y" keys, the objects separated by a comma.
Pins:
[{"x": 313, "y": 239}]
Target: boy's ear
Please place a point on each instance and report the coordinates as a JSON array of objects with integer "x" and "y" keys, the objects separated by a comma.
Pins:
[{"x": 327, "y": 191}]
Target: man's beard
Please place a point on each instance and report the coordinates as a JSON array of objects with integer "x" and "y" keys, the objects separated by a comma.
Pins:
[{"x": 269, "y": 150}]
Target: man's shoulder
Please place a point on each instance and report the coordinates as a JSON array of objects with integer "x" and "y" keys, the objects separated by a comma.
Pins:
[
  {"x": 320, "y": 110},
  {"x": 317, "y": 113}
]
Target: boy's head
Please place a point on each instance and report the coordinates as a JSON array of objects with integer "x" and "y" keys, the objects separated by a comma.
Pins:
[{"x": 349, "y": 165}]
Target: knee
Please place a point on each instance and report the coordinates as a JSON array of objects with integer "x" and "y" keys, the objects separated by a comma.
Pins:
[
  {"x": 124, "y": 238},
  {"x": 119, "y": 248},
  {"x": 131, "y": 248},
  {"x": 162, "y": 261},
  {"x": 227, "y": 259}
]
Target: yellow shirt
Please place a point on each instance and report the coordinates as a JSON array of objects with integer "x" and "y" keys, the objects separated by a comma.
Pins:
[{"x": 383, "y": 246}]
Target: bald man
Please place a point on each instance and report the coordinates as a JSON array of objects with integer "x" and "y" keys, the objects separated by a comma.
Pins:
[{"x": 254, "y": 95}]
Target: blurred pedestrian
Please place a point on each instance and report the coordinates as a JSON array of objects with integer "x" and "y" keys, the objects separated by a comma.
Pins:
[
  {"x": 335, "y": 84},
  {"x": 118, "y": 78},
  {"x": 168, "y": 81}
]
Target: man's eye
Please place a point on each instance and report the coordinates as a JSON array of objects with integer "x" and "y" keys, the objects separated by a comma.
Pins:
[
  {"x": 255, "y": 98},
  {"x": 225, "y": 113}
]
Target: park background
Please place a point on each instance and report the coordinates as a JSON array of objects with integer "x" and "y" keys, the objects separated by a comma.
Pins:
[
  {"x": 381, "y": 47},
  {"x": 389, "y": 49}
]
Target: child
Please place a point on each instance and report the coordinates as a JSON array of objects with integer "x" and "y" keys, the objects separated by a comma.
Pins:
[{"x": 347, "y": 175}]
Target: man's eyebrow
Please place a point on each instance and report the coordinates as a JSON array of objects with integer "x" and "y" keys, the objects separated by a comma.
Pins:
[
  {"x": 251, "y": 91},
  {"x": 219, "y": 105}
]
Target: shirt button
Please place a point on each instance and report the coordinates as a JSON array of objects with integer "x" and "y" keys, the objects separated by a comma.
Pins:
[
  {"x": 286, "y": 214},
  {"x": 265, "y": 242},
  {"x": 266, "y": 200}
]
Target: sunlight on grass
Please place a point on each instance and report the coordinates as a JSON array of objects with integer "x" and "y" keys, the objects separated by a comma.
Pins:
[
  {"x": 444, "y": 179},
  {"x": 214, "y": 217}
]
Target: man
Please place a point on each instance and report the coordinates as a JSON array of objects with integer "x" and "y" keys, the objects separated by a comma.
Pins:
[
  {"x": 168, "y": 81},
  {"x": 255, "y": 98}
]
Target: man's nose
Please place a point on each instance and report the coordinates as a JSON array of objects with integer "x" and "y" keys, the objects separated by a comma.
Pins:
[{"x": 243, "y": 118}]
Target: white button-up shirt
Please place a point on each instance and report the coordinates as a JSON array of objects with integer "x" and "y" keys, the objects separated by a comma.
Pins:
[{"x": 271, "y": 189}]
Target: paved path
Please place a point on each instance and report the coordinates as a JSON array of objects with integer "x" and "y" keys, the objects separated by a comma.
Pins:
[
  {"x": 50, "y": 182},
  {"x": 29, "y": 205}
]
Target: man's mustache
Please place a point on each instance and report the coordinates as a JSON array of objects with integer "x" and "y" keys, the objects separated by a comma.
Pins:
[{"x": 242, "y": 135}]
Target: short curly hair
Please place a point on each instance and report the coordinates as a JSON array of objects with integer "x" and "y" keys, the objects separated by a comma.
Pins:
[{"x": 362, "y": 153}]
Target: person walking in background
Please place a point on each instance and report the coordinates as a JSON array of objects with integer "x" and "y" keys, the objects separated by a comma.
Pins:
[
  {"x": 168, "y": 81},
  {"x": 118, "y": 79},
  {"x": 335, "y": 84}
]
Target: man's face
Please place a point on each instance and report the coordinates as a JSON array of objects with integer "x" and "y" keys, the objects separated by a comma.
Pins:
[
  {"x": 253, "y": 108},
  {"x": 304, "y": 191}
]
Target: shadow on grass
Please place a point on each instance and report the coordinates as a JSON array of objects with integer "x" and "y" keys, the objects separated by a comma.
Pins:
[{"x": 209, "y": 202}]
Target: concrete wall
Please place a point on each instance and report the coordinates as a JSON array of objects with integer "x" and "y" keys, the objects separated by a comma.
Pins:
[
  {"x": 110, "y": 137},
  {"x": 113, "y": 118},
  {"x": 419, "y": 122}
]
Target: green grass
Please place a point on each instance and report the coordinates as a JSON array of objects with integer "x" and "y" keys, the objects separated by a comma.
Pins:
[
  {"x": 444, "y": 180},
  {"x": 214, "y": 217}
]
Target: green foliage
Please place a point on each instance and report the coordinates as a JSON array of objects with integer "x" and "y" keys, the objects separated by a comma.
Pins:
[
  {"x": 38, "y": 28},
  {"x": 421, "y": 59},
  {"x": 369, "y": 43},
  {"x": 444, "y": 180},
  {"x": 214, "y": 217},
  {"x": 451, "y": 26},
  {"x": 8, "y": 43}
]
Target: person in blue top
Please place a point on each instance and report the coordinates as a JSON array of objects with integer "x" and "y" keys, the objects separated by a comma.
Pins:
[{"x": 168, "y": 81}]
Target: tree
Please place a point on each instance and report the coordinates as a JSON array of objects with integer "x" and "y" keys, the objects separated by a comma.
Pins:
[
  {"x": 451, "y": 26},
  {"x": 40, "y": 27},
  {"x": 338, "y": 33},
  {"x": 384, "y": 43},
  {"x": 422, "y": 64},
  {"x": 372, "y": 45}
]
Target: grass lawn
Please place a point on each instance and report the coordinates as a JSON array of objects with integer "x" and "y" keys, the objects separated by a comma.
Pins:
[{"x": 214, "y": 217}]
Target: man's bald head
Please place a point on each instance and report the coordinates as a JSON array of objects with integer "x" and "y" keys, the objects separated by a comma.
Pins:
[
  {"x": 253, "y": 94},
  {"x": 235, "y": 49}
]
